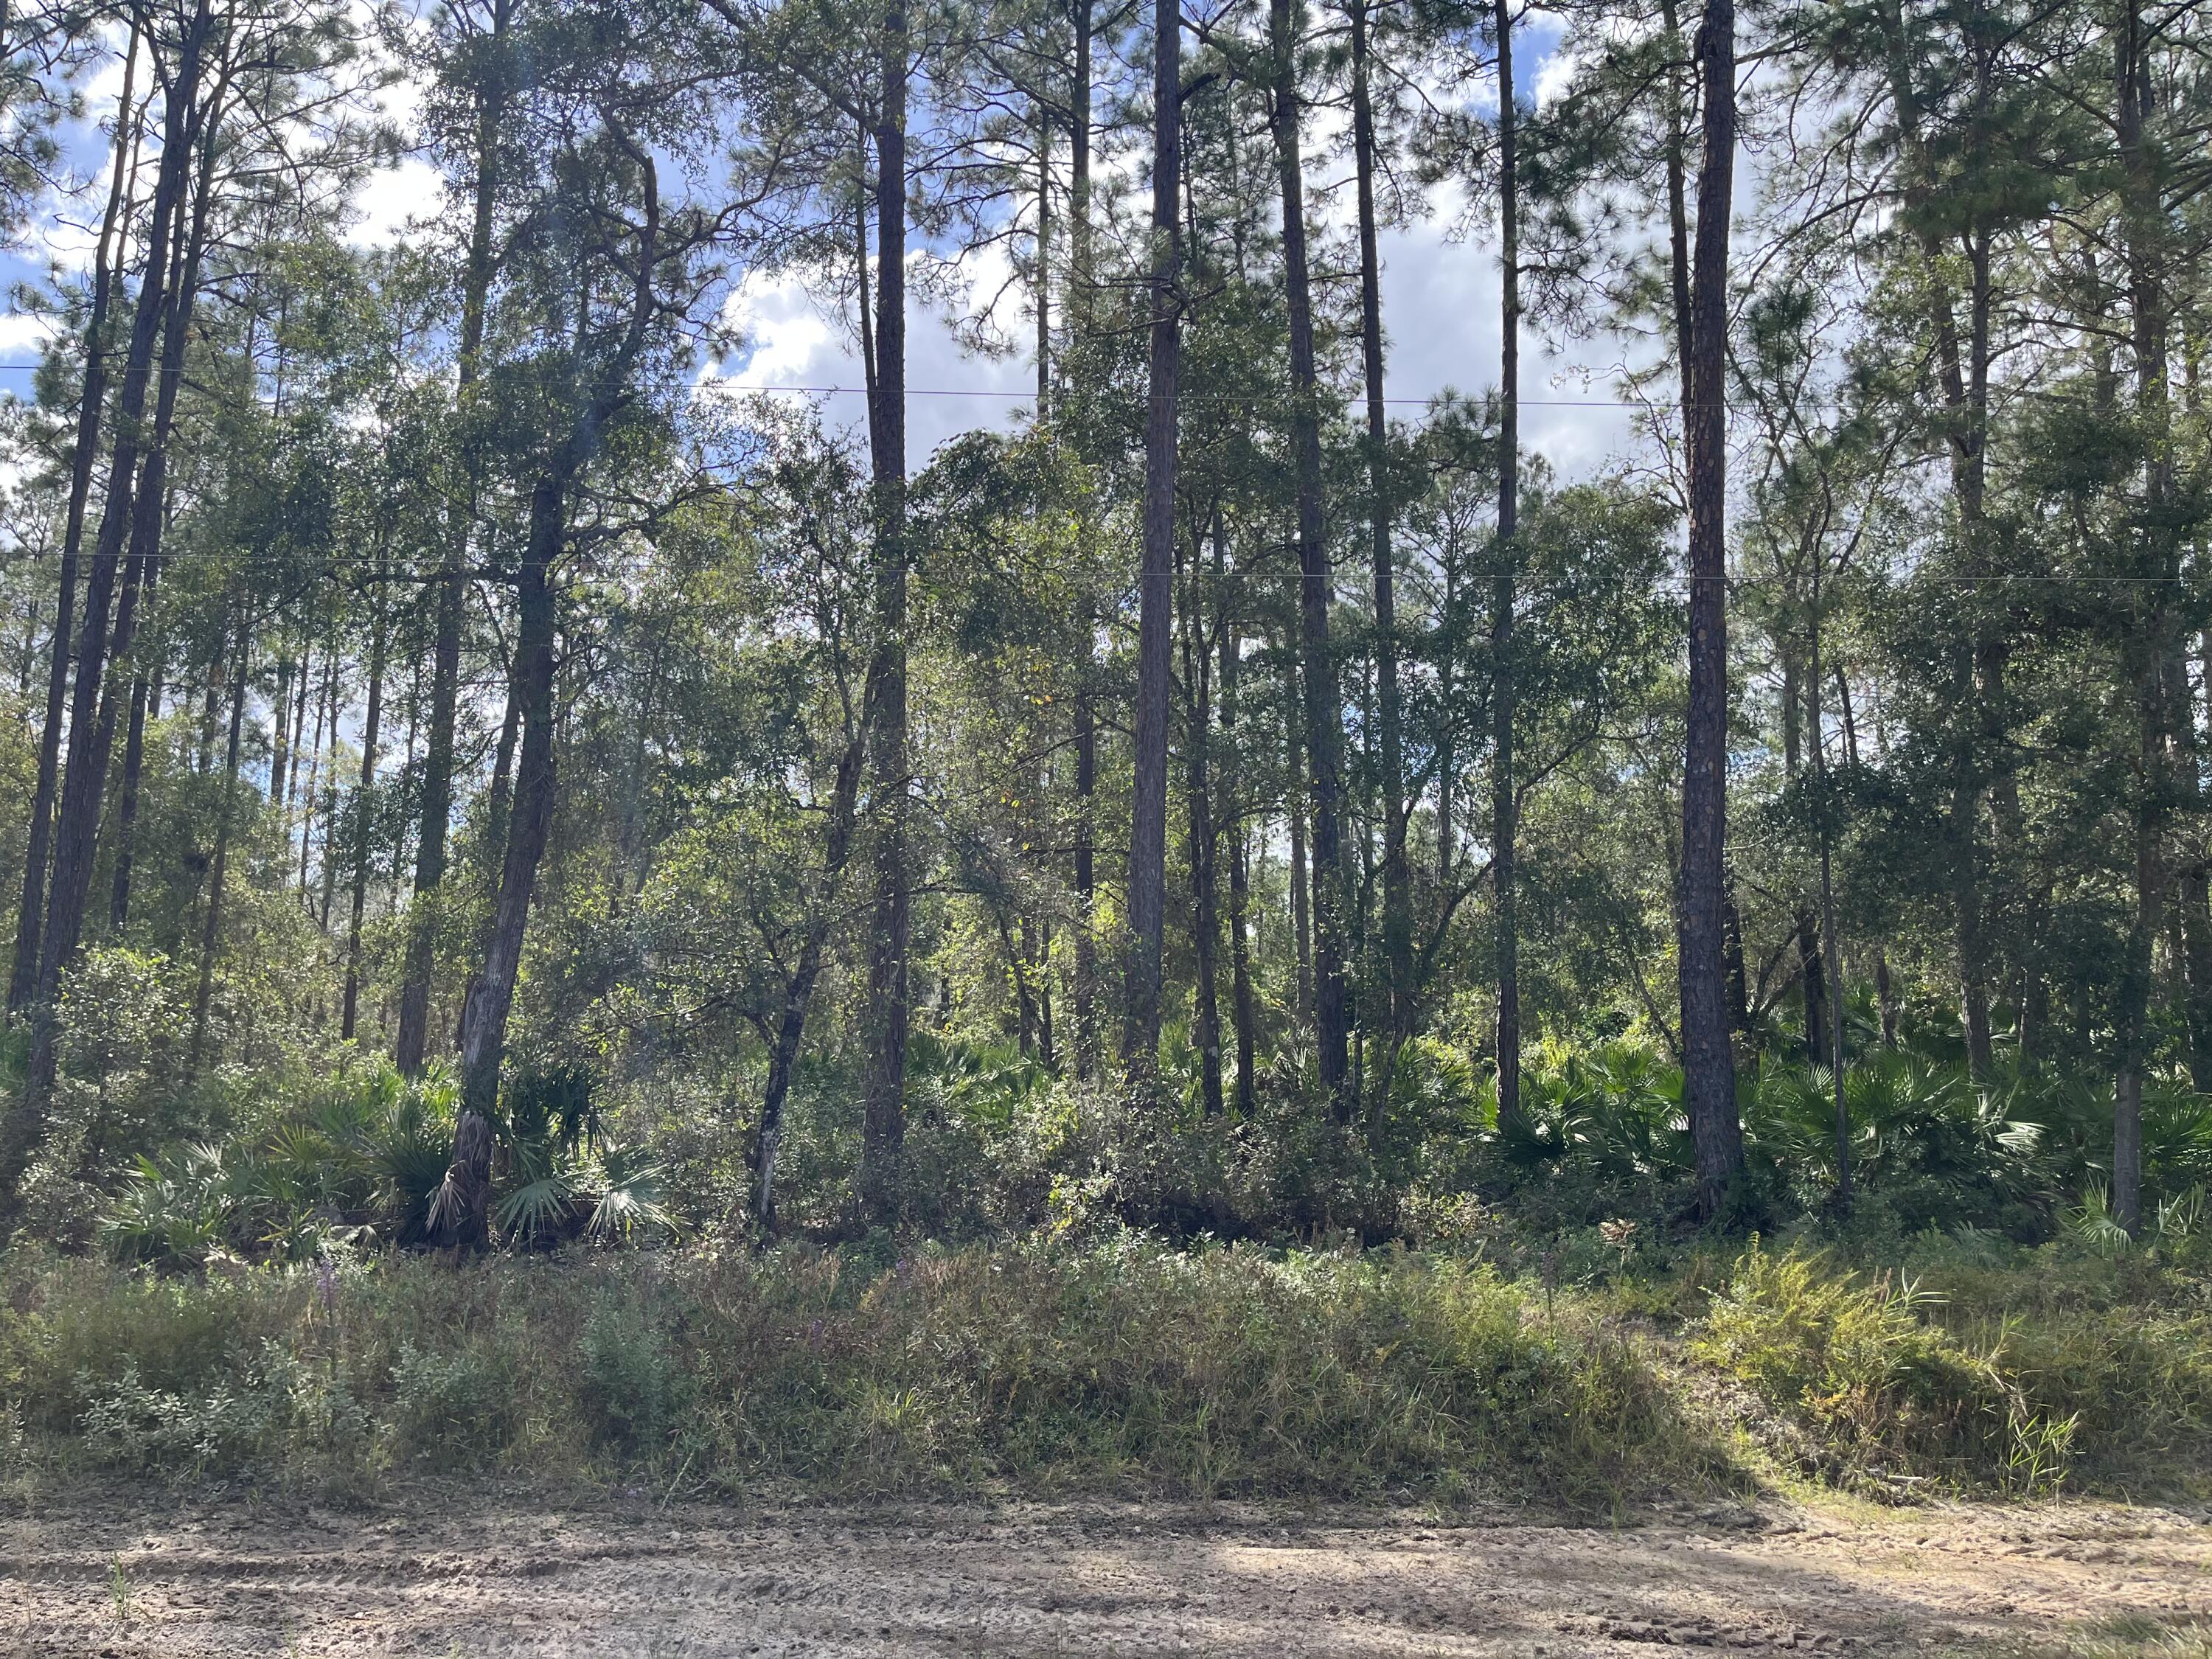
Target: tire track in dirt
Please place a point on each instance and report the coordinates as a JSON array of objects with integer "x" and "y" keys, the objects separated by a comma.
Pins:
[{"x": 445, "y": 1573}]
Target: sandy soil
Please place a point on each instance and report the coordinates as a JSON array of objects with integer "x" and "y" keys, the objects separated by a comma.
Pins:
[{"x": 117, "y": 1573}]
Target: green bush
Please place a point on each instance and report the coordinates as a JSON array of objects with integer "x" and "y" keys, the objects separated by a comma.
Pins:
[
  {"x": 630, "y": 1385},
  {"x": 1218, "y": 1371},
  {"x": 455, "y": 1405},
  {"x": 1119, "y": 1363},
  {"x": 1881, "y": 1389}
]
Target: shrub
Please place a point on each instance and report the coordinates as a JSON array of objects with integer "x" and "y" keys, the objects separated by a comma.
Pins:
[
  {"x": 1123, "y": 1365},
  {"x": 628, "y": 1379},
  {"x": 458, "y": 1406},
  {"x": 1882, "y": 1391}
]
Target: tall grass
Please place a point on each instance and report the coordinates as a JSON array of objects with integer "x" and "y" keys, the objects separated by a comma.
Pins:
[
  {"x": 1219, "y": 1371},
  {"x": 1121, "y": 1365}
]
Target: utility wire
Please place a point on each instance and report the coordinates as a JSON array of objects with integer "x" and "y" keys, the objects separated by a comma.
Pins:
[{"x": 720, "y": 383}]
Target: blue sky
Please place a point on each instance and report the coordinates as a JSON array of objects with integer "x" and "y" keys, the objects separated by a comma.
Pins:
[{"x": 1440, "y": 312}]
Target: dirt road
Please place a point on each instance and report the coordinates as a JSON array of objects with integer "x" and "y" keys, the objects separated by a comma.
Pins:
[{"x": 128, "y": 1576}]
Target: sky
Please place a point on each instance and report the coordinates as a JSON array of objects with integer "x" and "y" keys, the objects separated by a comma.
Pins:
[
  {"x": 1440, "y": 319},
  {"x": 1440, "y": 308},
  {"x": 1441, "y": 302}
]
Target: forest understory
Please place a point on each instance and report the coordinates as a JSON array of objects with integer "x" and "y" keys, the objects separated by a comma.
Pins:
[{"x": 1292, "y": 995}]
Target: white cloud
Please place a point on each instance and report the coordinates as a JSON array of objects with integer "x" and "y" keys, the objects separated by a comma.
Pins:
[
  {"x": 23, "y": 336},
  {"x": 1441, "y": 302},
  {"x": 391, "y": 197},
  {"x": 1440, "y": 314},
  {"x": 793, "y": 344}
]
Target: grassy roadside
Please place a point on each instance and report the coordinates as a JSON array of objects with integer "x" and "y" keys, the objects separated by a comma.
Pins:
[{"x": 1126, "y": 1366}]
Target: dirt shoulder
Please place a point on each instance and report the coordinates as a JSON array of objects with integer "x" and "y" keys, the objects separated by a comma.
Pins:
[{"x": 121, "y": 1574}]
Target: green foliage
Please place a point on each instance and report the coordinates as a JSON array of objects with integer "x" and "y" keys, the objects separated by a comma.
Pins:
[
  {"x": 348, "y": 1160},
  {"x": 1965, "y": 601},
  {"x": 1218, "y": 1371},
  {"x": 354, "y": 1160},
  {"x": 1880, "y": 1390},
  {"x": 1602, "y": 1374}
]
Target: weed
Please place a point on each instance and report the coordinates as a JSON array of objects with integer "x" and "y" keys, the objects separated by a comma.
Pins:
[{"x": 1124, "y": 1363}]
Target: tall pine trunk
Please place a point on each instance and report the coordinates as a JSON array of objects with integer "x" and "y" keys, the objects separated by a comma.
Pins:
[
  {"x": 1389, "y": 735},
  {"x": 464, "y": 1206},
  {"x": 1243, "y": 1013},
  {"x": 461, "y": 1213},
  {"x": 890, "y": 994},
  {"x": 1203, "y": 846},
  {"x": 1962, "y": 368},
  {"x": 77, "y": 825},
  {"x": 798, "y": 986},
  {"x": 30, "y": 917},
  {"x": 219, "y": 865},
  {"x": 363, "y": 808},
  {"x": 1709, "y": 1063},
  {"x": 1832, "y": 952},
  {"x": 127, "y": 805},
  {"x": 325, "y": 717},
  {"x": 1323, "y": 716},
  {"x": 412, "y": 1040},
  {"x": 280, "y": 730},
  {"x": 1080, "y": 282},
  {"x": 1148, "y": 819},
  {"x": 299, "y": 726},
  {"x": 1300, "y": 875},
  {"x": 1504, "y": 805},
  {"x": 1798, "y": 703},
  {"x": 2153, "y": 642},
  {"x": 2193, "y": 880}
]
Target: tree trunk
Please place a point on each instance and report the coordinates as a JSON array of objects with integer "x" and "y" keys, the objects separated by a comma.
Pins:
[
  {"x": 325, "y": 716},
  {"x": 1447, "y": 749},
  {"x": 462, "y": 1212},
  {"x": 1204, "y": 844},
  {"x": 1147, "y": 903},
  {"x": 299, "y": 724},
  {"x": 500, "y": 794},
  {"x": 1963, "y": 369},
  {"x": 1324, "y": 728},
  {"x": 1709, "y": 1064},
  {"x": 890, "y": 996},
  {"x": 1301, "y": 883},
  {"x": 364, "y": 809},
  {"x": 1397, "y": 884},
  {"x": 1884, "y": 995},
  {"x": 219, "y": 865},
  {"x": 2153, "y": 643},
  {"x": 1504, "y": 805},
  {"x": 77, "y": 825},
  {"x": 1738, "y": 976},
  {"x": 127, "y": 805},
  {"x": 798, "y": 987},
  {"x": 1797, "y": 705},
  {"x": 1242, "y": 1012},
  {"x": 280, "y": 733},
  {"x": 1042, "y": 279},
  {"x": 2193, "y": 894},
  {"x": 329, "y": 871},
  {"x": 437, "y": 803},
  {"x": 22, "y": 980},
  {"x": 1086, "y": 884},
  {"x": 1832, "y": 940},
  {"x": 1080, "y": 283},
  {"x": 465, "y": 1204}
]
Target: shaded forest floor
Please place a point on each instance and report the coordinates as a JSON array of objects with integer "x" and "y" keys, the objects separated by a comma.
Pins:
[{"x": 108, "y": 1570}]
